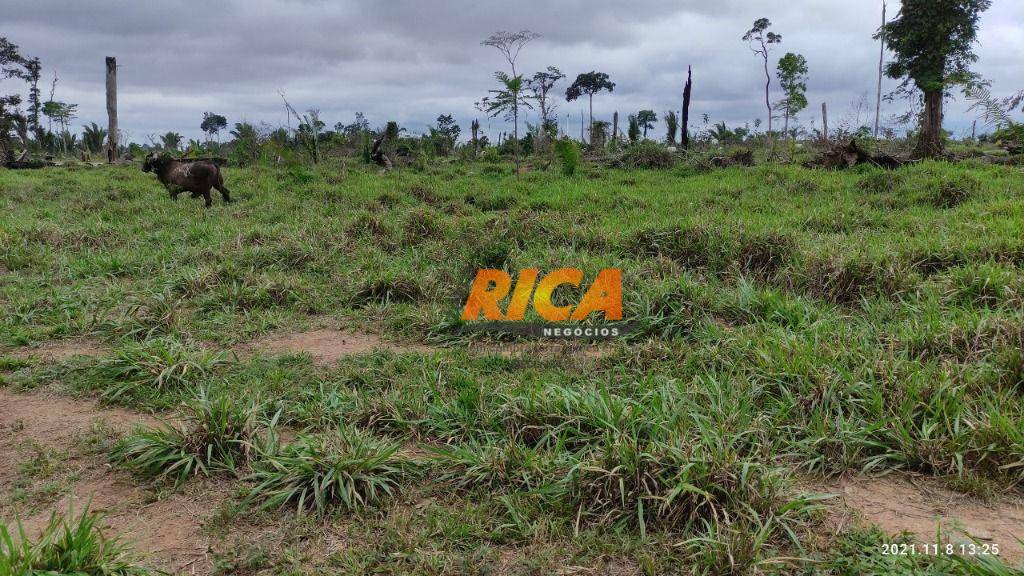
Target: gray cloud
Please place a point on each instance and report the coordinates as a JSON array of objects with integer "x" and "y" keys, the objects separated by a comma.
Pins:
[{"x": 410, "y": 60}]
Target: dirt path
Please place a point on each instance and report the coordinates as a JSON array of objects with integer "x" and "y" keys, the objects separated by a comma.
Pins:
[
  {"x": 923, "y": 506},
  {"x": 167, "y": 531}
]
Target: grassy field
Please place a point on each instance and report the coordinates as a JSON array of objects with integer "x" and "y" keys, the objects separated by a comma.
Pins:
[{"x": 791, "y": 326}]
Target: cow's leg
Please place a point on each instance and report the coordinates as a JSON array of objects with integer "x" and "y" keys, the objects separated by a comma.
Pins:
[
  {"x": 223, "y": 192},
  {"x": 206, "y": 197}
]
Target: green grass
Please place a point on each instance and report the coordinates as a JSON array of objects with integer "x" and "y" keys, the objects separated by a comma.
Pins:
[
  {"x": 217, "y": 434},
  {"x": 67, "y": 545},
  {"x": 789, "y": 323},
  {"x": 346, "y": 469}
]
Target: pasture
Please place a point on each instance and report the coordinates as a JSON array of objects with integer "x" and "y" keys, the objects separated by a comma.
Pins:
[{"x": 804, "y": 341}]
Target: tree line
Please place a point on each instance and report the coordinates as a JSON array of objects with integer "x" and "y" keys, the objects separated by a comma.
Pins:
[{"x": 931, "y": 44}]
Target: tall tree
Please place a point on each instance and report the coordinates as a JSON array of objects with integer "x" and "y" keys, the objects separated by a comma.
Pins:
[
  {"x": 932, "y": 42},
  {"x": 506, "y": 102},
  {"x": 760, "y": 40},
  {"x": 12, "y": 65},
  {"x": 685, "y": 128},
  {"x": 646, "y": 120},
  {"x": 445, "y": 134},
  {"x": 792, "y": 73},
  {"x": 881, "y": 62},
  {"x": 33, "y": 72},
  {"x": 634, "y": 128},
  {"x": 474, "y": 129},
  {"x": 510, "y": 44},
  {"x": 212, "y": 124},
  {"x": 111, "y": 89},
  {"x": 540, "y": 85},
  {"x": 590, "y": 83}
]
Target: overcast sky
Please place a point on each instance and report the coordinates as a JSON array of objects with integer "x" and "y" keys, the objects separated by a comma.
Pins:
[{"x": 410, "y": 60}]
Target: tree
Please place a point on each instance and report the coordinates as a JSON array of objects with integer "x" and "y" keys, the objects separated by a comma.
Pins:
[
  {"x": 247, "y": 142},
  {"x": 646, "y": 120},
  {"x": 356, "y": 129},
  {"x": 62, "y": 113},
  {"x": 672, "y": 126},
  {"x": 540, "y": 85},
  {"x": 687, "y": 92},
  {"x": 474, "y": 128},
  {"x": 12, "y": 65},
  {"x": 506, "y": 102},
  {"x": 510, "y": 44},
  {"x": 308, "y": 132},
  {"x": 760, "y": 40},
  {"x": 93, "y": 136},
  {"x": 792, "y": 72},
  {"x": 212, "y": 124},
  {"x": 33, "y": 71},
  {"x": 932, "y": 41},
  {"x": 599, "y": 133},
  {"x": 171, "y": 141},
  {"x": 590, "y": 83},
  {"x": 445, "y": 134},
  {"x": 634, "y": 128}
]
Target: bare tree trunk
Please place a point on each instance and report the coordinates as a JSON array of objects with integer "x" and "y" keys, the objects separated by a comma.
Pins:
[
  {"x": 929, "y": 142},
  {"x": 591, "y": 131},
  {"x": 515, "y": 128},
  {"x": 767, "y": 87},
  {"x": 111, "y": 109},
  {"x": 685, "y": 132},
  {"x": 881, "y": 61},
  {"x": 824, "y": 121},
  {"x": 615, "y": 126}
]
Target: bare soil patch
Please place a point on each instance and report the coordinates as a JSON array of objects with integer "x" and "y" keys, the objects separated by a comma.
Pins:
[
  {"x": 326, "y": 345},
  {"x": 923, "y": 507},
  {"x": 59, "y": 350},
  {"x": 167, "y": 531}
]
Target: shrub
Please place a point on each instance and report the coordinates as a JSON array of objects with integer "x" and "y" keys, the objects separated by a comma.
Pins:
[
  {"x": 348, "y": 469},
  {"x": 217, "y": 433},
  {"x": 158, "y": 365},
  {"x": 387, "y": 289},
  {"x": 878, "y": 181},
  {"x": 67, "y": 545},
  {"x": 951, "y": 191},
  {"x": 647, "y": 154},
  {"x": 568, "y": 152}
]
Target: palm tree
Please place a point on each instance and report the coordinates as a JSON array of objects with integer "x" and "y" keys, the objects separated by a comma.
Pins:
[
  {"x": 171, "y": 141},
  {"x": 247, "y": 141},
  {"x": 506, "y": 102},
  {"x": 93, "y": 136}
]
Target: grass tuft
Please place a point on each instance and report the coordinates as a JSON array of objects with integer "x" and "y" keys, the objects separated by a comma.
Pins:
[
  {"x": 67, "y": 545},
  {"x": 347, "y": 470},
  {"x": 215, "y": 434}
]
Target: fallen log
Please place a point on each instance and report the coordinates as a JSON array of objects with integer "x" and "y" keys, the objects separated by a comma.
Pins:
[
  {"x": 377, "y": 153},
  {"x": 843, "y": 156},
  {"x": 29, "y": 164},
  {"x": 744, "y": 158}
]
